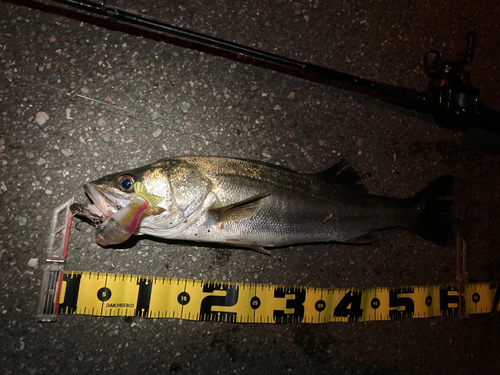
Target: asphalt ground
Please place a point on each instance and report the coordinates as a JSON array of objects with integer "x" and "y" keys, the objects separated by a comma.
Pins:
[{"x": 141, "y": 100}]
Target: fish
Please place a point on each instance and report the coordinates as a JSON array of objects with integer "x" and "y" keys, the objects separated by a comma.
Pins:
[{"x": 256, "y": 205}]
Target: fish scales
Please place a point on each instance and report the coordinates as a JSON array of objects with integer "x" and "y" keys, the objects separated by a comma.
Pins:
[{"x": 301, "y": 208}]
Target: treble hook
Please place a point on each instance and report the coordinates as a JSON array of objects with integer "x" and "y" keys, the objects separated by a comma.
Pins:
[{"x": 96, "y": 223}]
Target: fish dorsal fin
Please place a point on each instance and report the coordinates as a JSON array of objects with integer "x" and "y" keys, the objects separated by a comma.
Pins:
[
  {"x": 239, "y": 210},
  {"x": 342, "y": 174},
  {"x": 142, "y": 192}
]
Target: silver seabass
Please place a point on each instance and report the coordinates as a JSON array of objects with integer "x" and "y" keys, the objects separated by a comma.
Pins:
[{"x": 257, "y": 205}]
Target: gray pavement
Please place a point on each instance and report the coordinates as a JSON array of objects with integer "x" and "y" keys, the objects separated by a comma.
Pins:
[{"x": 140, "y": 100}]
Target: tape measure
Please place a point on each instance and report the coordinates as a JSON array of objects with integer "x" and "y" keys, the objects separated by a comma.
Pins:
[{"x": 106, "y": 294}]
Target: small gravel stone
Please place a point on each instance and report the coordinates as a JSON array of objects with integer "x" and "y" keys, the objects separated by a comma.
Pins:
[
  {"x": 101, "y": 122},
  {"x": 155, "y": 115},
  {"x": 22, "y": 220},
  {"x": 30, "y": 155},
  {"x": 110, "y": 99},
  {"x": 159, "y": 268},
  {"x": 41, "y": 118},
  {"x": 84, "y": 90},
  {"x": 33, "y": 263},
  {"x": 67, "y": 152},
  {"x": 157, "y": 133},
  {"x": 277, "y": 107},
  {"x": 185, "y": 107}
]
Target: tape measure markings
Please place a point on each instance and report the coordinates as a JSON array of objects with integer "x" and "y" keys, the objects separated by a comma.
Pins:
[{"x": 97, "y": 294}]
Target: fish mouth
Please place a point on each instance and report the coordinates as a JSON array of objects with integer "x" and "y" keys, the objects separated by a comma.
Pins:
[{"x": 105, "y": 204}]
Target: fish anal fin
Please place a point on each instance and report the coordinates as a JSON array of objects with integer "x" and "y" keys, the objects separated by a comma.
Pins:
[
  {"x": 247, "y": 244},
  {"x": 260, "y": 249},
  {"x": 342, "y": 174},
  {"x": 364, "y": 239},
  {"x": 239, "y": 210}
]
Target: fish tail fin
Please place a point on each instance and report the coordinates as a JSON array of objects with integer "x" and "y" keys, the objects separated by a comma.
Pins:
[{"x": 434, "y": 217}]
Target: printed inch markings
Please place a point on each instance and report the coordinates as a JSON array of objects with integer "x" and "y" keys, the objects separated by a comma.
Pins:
[
  {"x": 249, "y": 303},
  {"x": 449, "y": 300},
  {"x": 263, "y": 304},
  {"x": 347, "y": 305},
  {"x": 482, "y": 298},
  {"x": 278, "y": 304},
  {"x": 193, "y": 295},
  {"x": 314, "y": 305},
  {"x": 132, "y": 295},
  {"x": 92, "y": 293},
  {"x": 168, "y": 298},
  {"x": 220, "y": 304},
  {"x": 428, "y": 303},
  {"x": 323, "y": 305},
  {"x": 375, "y": 304},
  {"x": 68, "y": 297},
  {"x": 122, "y": 294}
]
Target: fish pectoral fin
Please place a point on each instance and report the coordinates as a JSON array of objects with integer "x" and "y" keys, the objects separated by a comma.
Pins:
[
  {"x": 153, "y": 211},
  {"x": 248, "y": 245},
  {"x": 364, "y": 239},
  {"x": 239, "y": 210}
]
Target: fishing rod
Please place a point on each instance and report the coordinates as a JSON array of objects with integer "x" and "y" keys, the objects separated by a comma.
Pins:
[{"x": 451, "y": 98}]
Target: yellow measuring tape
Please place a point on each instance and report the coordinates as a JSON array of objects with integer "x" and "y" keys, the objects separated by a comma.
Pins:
[{"x": 104, "y": 294}]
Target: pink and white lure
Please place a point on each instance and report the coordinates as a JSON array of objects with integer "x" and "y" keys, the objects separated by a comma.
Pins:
[{"x": 120, "y": 226}]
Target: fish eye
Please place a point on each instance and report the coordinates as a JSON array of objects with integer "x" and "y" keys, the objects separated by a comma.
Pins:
[{"x": 126, "y": 183}]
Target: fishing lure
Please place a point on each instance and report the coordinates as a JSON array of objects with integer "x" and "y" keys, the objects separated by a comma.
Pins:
[{"x": 120, "y": 227}]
